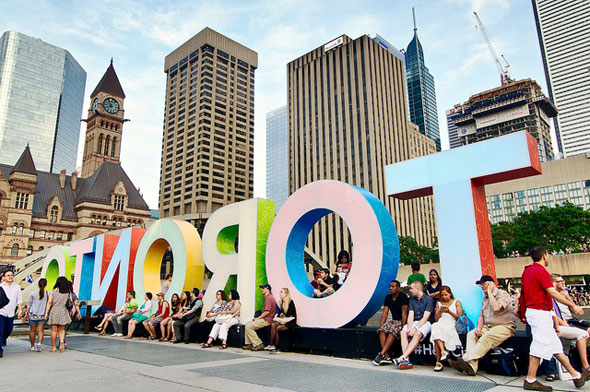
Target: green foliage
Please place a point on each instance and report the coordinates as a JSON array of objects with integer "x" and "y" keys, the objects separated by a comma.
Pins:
[
  {"x": 411, "y": 251},
  {"x": 557, "y": 228}
]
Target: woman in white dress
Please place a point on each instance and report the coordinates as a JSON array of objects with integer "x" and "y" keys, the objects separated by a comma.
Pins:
[{"x": 443, "y": 334}]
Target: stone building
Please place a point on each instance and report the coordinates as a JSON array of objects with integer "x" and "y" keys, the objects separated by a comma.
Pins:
[{"x": 40, "y": 209}]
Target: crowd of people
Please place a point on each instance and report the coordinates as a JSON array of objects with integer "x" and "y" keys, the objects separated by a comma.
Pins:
[{"x": 544, "y": 305}]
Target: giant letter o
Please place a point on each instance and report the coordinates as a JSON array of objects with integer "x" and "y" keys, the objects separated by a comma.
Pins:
[{"x": 376, "y": 253}]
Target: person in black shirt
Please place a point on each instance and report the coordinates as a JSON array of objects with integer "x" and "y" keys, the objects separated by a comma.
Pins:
[
  {"x": 396, "y": 303},
  {"x": 325, "y": 283}
]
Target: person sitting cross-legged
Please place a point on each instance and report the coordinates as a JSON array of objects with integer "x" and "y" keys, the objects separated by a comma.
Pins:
[
  {"x": 495, "y": 324},
  {"x": 325, "y": 284},
  {"x": 396, "y": 303},
  {"x": 418, "y": 325}
]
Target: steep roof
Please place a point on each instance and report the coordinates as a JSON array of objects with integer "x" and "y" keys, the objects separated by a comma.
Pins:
[
  {"x": 96, "y": 188},
  {"x": 109, "y": 83},
  {"x": 99, "y": 186},
  {"x": 25, "y": 163}
]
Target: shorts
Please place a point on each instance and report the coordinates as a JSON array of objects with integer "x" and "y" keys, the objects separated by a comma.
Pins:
[
  {"x": 393, "y": 327},
  {"x": 156, "y": 321},
  {"x": 140, "y": 319},
  {"x": 37, "y": 322},
  {"x": 545, "y": 342},
  {"x": 424, "y": 330}
]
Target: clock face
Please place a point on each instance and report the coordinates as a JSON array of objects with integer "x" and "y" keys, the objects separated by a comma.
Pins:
[
  {"x": 95, "y": 105},
  {"x": 110, "y": 105}
]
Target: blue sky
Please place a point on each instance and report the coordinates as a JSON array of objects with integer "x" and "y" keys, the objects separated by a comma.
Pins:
[{"x": 139, "y": 34}]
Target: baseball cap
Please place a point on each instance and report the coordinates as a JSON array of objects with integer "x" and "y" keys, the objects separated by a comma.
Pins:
[
  {"x": 265, "y": 286},
  {"x": 485, "y": 278},
  {"x": 161, "y": 294}
]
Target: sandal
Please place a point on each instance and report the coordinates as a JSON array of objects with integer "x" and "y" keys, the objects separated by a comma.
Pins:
[
  {"x": 102, "y": 333},
  {"x": 205, "y": 345},
  {"x": 551, "y": 377},
  {"x": 223, "y": 346}
]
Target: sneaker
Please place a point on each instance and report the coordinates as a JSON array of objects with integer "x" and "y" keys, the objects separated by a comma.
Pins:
[
  {"x": 270, "y": 347},
  {"x": 33, "y": 349},
  {"x": 466, "y": 367},
  {"x": 259, "y": 347},
  {"x": 38, "y": 348},
  {"x": 438, "y": 367},
  {"x": 115, "y": 335},
  {"x": 378, "y": 359},
  {"x": 275, "y": 351},
  {"x": 247, "y": 347},
  {"x": 535, "y": 386},
  {"x": 398, "y": 361},
  {"x": 406, "y": 365}
]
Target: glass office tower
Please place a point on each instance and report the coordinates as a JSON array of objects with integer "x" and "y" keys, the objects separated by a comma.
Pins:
[
  {"x": 277, "y": 156},
  {"x": 41, "y": 99}
]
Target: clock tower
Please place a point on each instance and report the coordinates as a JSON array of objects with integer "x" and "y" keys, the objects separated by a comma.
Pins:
[{"x": 104, "y": 125}]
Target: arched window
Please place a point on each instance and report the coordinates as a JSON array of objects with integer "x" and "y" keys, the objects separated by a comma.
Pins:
[
  {"x": 41, "y": 248},
  {"x": 106, "y": 145},
  {"x": 14, "y": 250},
  {"x": 20, "y": 229},
  {"x": 100, "y": 137},
  {"x": 29, "y": 250},
  {"x": 113, "y": 148},
  {"x": 93, "y": 219},
  {"x": 104, "y": 220},
  {"x": 53, "y": 214}
]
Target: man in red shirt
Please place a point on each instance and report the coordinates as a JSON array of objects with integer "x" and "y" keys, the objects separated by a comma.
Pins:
[
  {"x": 537, "y": 305},
  {"x": 269, "y": 310}
]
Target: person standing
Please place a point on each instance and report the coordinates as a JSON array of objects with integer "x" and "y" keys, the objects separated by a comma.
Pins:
[
  {"x": 57, "y": 314},
  {"x": 13, "y": 293},
  {"x": 35, "y": 315},
  {"x": 252, "y": 340},
  {"x": 536, "y": 307},
  {"x": 396, "y": 303}
]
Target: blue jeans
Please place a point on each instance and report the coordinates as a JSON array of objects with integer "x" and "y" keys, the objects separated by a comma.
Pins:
[{"x": 6, "y": 324}]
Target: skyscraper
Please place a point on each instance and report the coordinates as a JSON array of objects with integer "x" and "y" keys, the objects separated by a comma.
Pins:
[
  {"x": 347, "y": 121},
  {"x": 41, "y": 99},
  {"x": 452, "y": 129},
  {"x": 515, "y": 106},
  {"x": 421, "y": 90},
  {"x": 563, "y": 28},
  {"x": 277, "y": 156},
  {"x": 208, "y": 141}
]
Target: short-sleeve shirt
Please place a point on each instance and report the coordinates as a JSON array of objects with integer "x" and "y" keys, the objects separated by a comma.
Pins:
[
  {"x": 37, "y": 305},
  {"x": 14, "y": 295},
  {"x": 505, "y": 316},
  {"x": 395, "y": 306},
  {"x": 420, "y": 306},
  {"x": 270, "y": 306},
  {"x": 417, "y": 277},
  {"x": 535, "y": 279},
  {"x": 132, "y": 304},
  {"x": 429, "y": 289}
]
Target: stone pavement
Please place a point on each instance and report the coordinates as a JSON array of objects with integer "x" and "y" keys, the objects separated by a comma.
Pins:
[{"x": 94, "y": 363}]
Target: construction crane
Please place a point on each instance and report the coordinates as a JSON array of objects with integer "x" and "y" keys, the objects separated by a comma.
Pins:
[{"x": 504, "y": 70}]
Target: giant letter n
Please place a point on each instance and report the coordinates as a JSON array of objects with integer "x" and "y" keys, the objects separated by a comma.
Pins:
[{"x": 457, "y": 178}]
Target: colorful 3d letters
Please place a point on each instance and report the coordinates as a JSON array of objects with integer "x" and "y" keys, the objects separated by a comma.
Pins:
[
  {"x": 376, "y": 253},
  {"x": 57, "y": 263},
  {"x": 185, "y": 243},
  {"x": 249, "y": 221},
  {"x": 457, "y": 178}
]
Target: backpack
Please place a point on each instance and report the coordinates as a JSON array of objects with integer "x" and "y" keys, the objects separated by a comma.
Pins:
[{"x": 4, "y": 300}]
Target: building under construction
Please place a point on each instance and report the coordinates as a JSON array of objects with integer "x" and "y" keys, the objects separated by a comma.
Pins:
[{"x": 515, "y": 106}]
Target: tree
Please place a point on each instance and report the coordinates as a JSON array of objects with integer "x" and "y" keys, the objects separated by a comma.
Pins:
[
  {"x": 411, "y": 251},
  {"x": 563, "y": 227}
]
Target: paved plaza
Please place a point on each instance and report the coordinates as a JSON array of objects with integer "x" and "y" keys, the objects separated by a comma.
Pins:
[{"x": 94, "y": 363}]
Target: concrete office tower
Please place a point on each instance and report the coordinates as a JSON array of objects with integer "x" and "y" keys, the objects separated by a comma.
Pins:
[
  {"x": 41, "y": 99},
  {"x": 277, "y": 156},
  {"x": 347, "y": 121},
  {"x": 421, "y": 90},
  {"x": 513, "y": 107},
  {"x": 452, "y": 129},
  {"x": 564, "y": 36},
  {"x": 208, "y": 142}
]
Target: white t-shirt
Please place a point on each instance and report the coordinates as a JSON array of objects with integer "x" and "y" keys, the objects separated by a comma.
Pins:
[{"x": 14, "y": 295}]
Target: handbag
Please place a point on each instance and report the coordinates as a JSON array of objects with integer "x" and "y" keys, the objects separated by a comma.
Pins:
[
  {"x": 463, "y": 324},
  {"x": 283, "y": 320},
  {"x": 69, "y": 304},
  {"x": 4, "y": 300},
  {"x": 223, "y": 318},
  {"x": 501, "y": 361}
]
